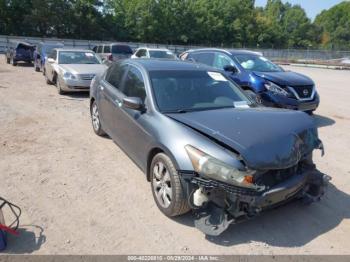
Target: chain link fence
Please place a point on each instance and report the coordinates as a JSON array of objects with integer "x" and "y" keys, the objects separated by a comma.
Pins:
[{"x": 286, "y": 55}]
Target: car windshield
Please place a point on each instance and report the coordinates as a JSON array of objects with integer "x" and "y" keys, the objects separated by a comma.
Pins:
[
  {"x": 183, "y": 91},
  {"x": 161, "y": 54},
  {"x": 121, "y": 49},
  {"x": 257, "y": 63},
  {"x": 77, "y": 57}
]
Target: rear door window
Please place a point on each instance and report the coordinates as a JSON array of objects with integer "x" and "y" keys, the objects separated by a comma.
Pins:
[
  {"x": 141, "y": 53},
  {"x": 107, "y": 49},
  {"x": 99, "y": 49},
  {"x": 184, "y": 56},
  {"x": 121, "y": 49},
  {"x": 203, "y": 58}
]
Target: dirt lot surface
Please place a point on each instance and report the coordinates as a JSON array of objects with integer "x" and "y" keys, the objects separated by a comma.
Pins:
[{"x": 80, "y": 194}]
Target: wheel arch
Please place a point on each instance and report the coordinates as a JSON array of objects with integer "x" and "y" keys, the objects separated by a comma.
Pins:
[{"x": 152, "y": 153}]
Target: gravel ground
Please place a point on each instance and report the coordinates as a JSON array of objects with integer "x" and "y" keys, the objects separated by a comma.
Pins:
[{"x": 80, "y": 194}]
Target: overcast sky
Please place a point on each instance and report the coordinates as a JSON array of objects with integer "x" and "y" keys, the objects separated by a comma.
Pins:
[{"x": 312, "y": 7}]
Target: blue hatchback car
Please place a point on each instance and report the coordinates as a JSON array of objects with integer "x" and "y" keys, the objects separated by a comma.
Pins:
[
  {"x": 264, "y": 81},
  {"x": 41, "y": 52}
]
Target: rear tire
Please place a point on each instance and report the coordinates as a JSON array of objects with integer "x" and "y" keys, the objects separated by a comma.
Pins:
[
  {"x": 37, "y": 69},
  {"x": 7, "y": 60},
  {"x": 13, "y": 62},
  {"x": 95, "y": 120},
  {"x": 166, "y": 187}
]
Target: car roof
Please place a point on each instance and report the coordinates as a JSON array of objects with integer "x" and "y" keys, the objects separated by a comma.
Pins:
[
  {"x": 154, "y": 49},
  {"x": 115, "y": 44},
  {"x": 51, "y": 44},
  {"x": 227, "y": 51},
  {"x": 21, "y": 42},
  {"x": 74, "y": 49},
  {"x": 168, "y": 64}
]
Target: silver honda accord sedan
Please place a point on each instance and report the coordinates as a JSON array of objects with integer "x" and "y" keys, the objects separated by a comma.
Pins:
[
  {"x": 203, "y": 144},
  {"x": 72, "y": 69}
]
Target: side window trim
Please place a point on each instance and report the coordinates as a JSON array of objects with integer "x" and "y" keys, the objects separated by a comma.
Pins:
[
  {"x": 119, "y": 88},
  {"x": 130, "y": 66}
]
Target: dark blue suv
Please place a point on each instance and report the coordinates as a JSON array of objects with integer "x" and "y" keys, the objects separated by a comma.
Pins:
[
  {"x": 18, "y": 51},
  {"x": 43, "y": 49},
  {"x": 264, "y": 81}
]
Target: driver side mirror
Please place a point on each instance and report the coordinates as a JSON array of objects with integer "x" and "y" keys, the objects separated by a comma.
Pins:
[
  {"x": 50, "y": 60},
  {"x": 230, "y": 68},
  {"x": 134, "y": 103}
]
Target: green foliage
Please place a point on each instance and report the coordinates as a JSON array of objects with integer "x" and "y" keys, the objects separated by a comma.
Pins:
[
  {"x": 230, "y": 23},
  {"x": 334, "y": 26}
]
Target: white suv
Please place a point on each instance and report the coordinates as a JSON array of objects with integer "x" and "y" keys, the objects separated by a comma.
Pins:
[{"x": 145, "y": 52}]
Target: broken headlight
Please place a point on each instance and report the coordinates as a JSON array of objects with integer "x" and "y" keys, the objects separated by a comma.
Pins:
[
  {"x": 275, "y": 88},
  {"x": 213, "y": 168}
]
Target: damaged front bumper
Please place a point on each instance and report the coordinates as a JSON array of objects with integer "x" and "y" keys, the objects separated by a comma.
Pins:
[{"x": 225, "y": 204}]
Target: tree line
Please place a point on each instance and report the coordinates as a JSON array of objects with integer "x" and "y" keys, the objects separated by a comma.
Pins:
[{"x": 229, "y": 23}]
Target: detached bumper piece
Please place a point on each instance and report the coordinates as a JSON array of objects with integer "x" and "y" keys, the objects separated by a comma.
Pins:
[{"x": 217, "y": 205}]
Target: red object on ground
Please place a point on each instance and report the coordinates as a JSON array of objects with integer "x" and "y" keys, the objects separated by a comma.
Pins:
[{"x": 9, "y": 230}]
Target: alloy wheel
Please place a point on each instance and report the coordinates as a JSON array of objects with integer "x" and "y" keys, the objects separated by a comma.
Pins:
[
  {"x": 95, "y": 118},
  {"x": 162, "y": 184}
]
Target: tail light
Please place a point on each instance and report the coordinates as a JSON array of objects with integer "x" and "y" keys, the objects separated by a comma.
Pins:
[{"x": 110, "y": 57}]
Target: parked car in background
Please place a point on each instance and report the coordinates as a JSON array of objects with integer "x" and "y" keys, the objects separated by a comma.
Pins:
[
  {"x": 203, "y": 144},
  {"x": 263, "y": 80},
  {"x": 113, "y": 52},
  {"x": 72, "y": 70},
  {"x": 146, "y": 52},
  {"x": 18, "y": 51},
  {"x": 42, "y": 50}
]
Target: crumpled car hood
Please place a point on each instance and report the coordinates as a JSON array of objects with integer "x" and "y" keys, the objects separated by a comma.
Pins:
[
  {"x": 264, "y": 138},
  {"x": 286, "y": 78}
]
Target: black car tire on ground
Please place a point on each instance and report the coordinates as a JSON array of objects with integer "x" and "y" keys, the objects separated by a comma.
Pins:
[
  {"x": 47, "y": 79},
  {"x": 95, "y": 120},
  {"x": 13, "y": 62},
  {"x": 7, "y": 60},
  {"x": 178, "y": 202},
  {"x": 59, "y": 89},
  {"x": 37, "y": 69}
]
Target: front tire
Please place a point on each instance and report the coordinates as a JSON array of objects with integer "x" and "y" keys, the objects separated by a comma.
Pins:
[
  {"x": 166, "y": 187},
  {"x": 59, "y": 88},
  {"x": 7, "y": 60},
  {"x": 48, "y": 81},
  {"x": 95, "y": 120}
]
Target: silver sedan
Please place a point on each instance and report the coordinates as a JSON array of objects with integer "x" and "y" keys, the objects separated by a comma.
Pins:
[{"x": 72, "y": 70}]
